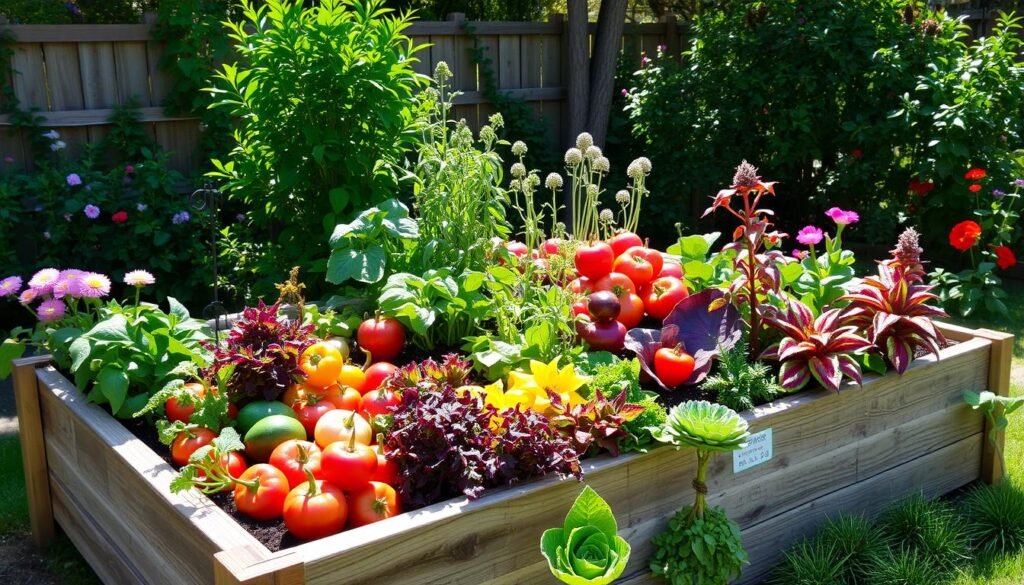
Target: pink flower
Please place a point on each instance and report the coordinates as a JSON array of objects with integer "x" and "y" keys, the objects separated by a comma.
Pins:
[
  {"x": 94, "y": 285},
  {"x": 44, "y": 280},
  {"x": 68, "y": 283},
  {"x": 799, "y": 254},
  {"x": 10, "y": 286},
  {"x": 139, "y": 278},
  {"x": 91, "y": 211},
  {"x": 810, "y": 235},
  {"x": 74, "y": 180},
  {"x": 625, "y": 92},
  {"x": 129, "y": 170},
  {"x": 27, "y": 296},
  {"x": 842, "y": 217},
  {"x": 9, "y": 159},
  {"x": 51, "y": 310}
]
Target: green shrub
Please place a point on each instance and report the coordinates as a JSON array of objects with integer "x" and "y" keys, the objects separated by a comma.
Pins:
[
  {"x": 994, "y": 518},
  {"x": 324, "y": 102},
  {"x": 905, "y": 566},
  {"x": 857, "y": 541},
  {"x": 929, "y": 528},
  {"x": 812, "y": 561}
]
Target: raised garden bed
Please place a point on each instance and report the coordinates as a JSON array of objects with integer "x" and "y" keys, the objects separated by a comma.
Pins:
[{"x": 853, "y": 451}]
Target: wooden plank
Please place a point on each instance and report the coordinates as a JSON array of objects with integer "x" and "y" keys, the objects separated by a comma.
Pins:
[
  {"x": 79, "y": 33},
  {"x": 531, "y": 53},
  {"x": 992, "y": 459},
  {"x": 29, "y": 80},
  {"x": 179, "y": 139},
  {"x": 551, "y": 76},
  {"x": 242, "y": 566},
  {"x": 73, "y": 118},
  {"x": 482, "y": 28},
  {"x": 132, "y": 73},
  {"x": 508, "y": 65},
  {"x": 488, "y": 44},
  {"x": 33, "y": 448},
  {"x": 421, "y": 60},
  {"x": 160, "y": 80},
  {"x": 63, "y": 76},
  {"x": 98, "y": 81}
]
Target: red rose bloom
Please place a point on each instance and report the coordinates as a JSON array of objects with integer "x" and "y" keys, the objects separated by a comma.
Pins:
[
  {"x": 1004, "y": 257},
  {"x": 920, "y": 188},
  {"x": 974, "y": 188},
  {"x": 119, "y": 217},
  {"x": 975, "y": 174},
  {"x": 964, "y": 235}
]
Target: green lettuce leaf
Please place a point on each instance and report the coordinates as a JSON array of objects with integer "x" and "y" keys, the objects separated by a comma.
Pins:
[{"x": 587, "y": 550}]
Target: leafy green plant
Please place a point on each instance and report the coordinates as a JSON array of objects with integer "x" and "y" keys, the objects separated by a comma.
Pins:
[
  {"x": 587, "y": 548},
  {"x": 439, "y": 308},
  {"x": 906, "y": 566},
  {"x": 701, "y": 546},
  {"x": 613, "y": 376},
  {"x": 740, "y": 384},
  {"x": 994, "y": 518},
  {"x": 323, "y": 98},
  {"x": 825, "y": 276},
  {"x": 858, "y": 541},
  {"x": 700, "y": 269},
  {"x": 373, "y": 245},
  {"x": 996, "y": 409},
  {"x": 811, "y": 561}
]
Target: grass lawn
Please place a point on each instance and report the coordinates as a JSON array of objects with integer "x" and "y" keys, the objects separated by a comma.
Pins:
[{"x": 62, "y": 564}]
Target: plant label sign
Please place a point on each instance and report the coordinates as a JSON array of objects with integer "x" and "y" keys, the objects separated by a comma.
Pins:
[{"x": 757, "y": 451}]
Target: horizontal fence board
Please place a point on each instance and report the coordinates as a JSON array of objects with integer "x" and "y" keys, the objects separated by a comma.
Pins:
[
  {"x": 71, "y": 118},
  {"x": 78, "y": 33}
]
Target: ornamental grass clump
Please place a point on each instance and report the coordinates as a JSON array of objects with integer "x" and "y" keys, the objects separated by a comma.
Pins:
[
  {"x": 701, "y": 546},
  {"x": 994, "y": 518},
  {"x": 587, "y": 549}
]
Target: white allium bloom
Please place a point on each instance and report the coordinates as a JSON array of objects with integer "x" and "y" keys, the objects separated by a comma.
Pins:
[
  {"x": 584, "y": 141},
  {"x": 607, "y": 216},
  {"x": 573, "y": 157},
  {"x": 496, "y": 120},
  {"x": 441, "y": 72},
  {"x": 622, "y": 197},
  {"x": 634, "y": 170},
  {"x": 519, "y": 148},
  {"x": 515, "y": 185},
  {"x": 518, "y": 170},
  {"x": 645, "y": 164},
  {"x": 592, "y": 152},
  {"x": 553, "y": 181},
  {"x": 532, "y": 180},
  {"x": 58, "y": 145},
  {"x": 592, "y": 190},
  {"x": 602, "y": 163}
]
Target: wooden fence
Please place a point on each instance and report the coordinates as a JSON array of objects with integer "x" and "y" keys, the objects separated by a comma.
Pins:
[{"x": 76, "y": 74}]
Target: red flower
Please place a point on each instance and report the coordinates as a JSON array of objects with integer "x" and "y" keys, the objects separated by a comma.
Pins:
[
  {"x": 857, "y": 153},
  {"x": 975, "y": 174},
  {"x": 920, "y": 188},
  {"x": 964, "y": 235},
  {"x": 119, "y": 217},
  {"x": 974, "y": 188},
  {"x": 1004, "y": 257}
]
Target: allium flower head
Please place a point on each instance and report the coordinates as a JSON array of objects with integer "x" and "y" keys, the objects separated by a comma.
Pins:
[
  {"x": 746, "y": 176},
  {"x": 441, "y": 72},
  {"x": 91, "y": 211},
  {"x": 842, "y": 217},
  {"x": 810, "y": 235},
  {"x": 51, "y": 310},
  {"x": 10, "y": 286},
  {"x": 602, "y": 164},
  {"x": 27, "y": 296},
  {"x": 592, "y": 190},
  {"x": 532, "y": 180},
  {"x": 515, "y": 185},
  {"x": 496, "y": 120},
  {"x": 638, "y": 168},
  {"x": 518, "y": 170},
  {"x": 622, "y": 197},
  {"x": 74, "y": 180},
  {"x": 607, "y": 216},
  {"x": 573, "y": 157},
  {"x": 553, "y": 181},
  {"x": 44, "y": 280},
  {"x": 519, "y": 148},
  {"x": 584, "y": 141},
  {"x": 592, "y": 152},
  {"x": 94, "y": 285},
  {"x": 139, "y": 278}
]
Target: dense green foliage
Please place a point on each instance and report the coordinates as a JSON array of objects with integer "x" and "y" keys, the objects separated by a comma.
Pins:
[
  {"x": 323, "y": 98},
  {"x": 76, "y": 11},
  {"x": 699, "y": 551},
  {"x": 739, "y": 383}
]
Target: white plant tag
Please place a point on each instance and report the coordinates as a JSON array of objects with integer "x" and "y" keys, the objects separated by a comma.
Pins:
[{"x": 757, "y": 451}]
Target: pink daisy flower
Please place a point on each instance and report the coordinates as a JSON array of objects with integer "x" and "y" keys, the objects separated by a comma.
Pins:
[
  {"x": 842, "y": 217},
  {"x": 44, "y": 280},
  {"x": 10, "y": 286},
  {"x": 810, "y": 235},
  {"x": 93, "y": 285},
  {"x": 51, "y": 310},
  {"x": 67, "y": 284},
  {"x": 139, "y": 278},
  {"x": 27, "y": 296}
]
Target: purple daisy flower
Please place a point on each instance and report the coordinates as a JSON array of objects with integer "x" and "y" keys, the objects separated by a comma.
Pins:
[
  {"x": 51, "y": 310},
  {"x": 10, "y": 286},
  {"x": 91, "y": 211},
  {"x": 93, "y": 285},
  {"x": 74, "y": 180},
  {"x": 44, "y": 280}
]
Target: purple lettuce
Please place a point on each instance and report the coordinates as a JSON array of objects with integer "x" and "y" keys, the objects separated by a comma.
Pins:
[{"x": 701, "y": 325}]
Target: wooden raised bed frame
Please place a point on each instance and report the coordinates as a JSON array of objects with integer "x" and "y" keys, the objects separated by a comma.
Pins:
[{"x": 853, "y": 451}]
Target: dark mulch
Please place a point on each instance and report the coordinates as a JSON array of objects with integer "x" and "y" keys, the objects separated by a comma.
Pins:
[{"x": 21, "y": 563}]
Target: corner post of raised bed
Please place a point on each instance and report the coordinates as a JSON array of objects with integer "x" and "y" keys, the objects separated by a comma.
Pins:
[
  {"x": 247, "y": 566},
  {"x": 33, "y": 447},
  {"x": 999, "y": 370}
]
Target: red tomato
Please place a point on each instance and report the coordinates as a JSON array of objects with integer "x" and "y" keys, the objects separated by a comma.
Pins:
[
  {"x": 310, "y": 409},
  {"x": 232, "y": 464},
  {"x": 671, "y": 269},
  {"x": 594, "y": 260},
  {"x": 382, "y": 337},
  {"x": 315, "y": 509},
  {"x": 320, "y": 364},
  {"x": 340, "y": 425},
  {"x": 188, "y": 442},
  {"x": 550, "y": 246},
  {"x": 673, "y": 366},
  {"x": 376, "y": 374},
  {"x": 617, "y": 283},
  {"x": 378, "y": 402},
  {"x": 260, "y": 492},
  {"x": 624, "y": 241},
  {"x": 343, "y": 397},
  {"x": 294, "y": 457},
  {"x": 653, "y": 256},
  {"x": 348, "y": 465},
  {"x": 179, "y": 412},
  {"x": 352, "y": 376},
  {"x": 373, "y": 502},
  {"x": 517, "y": 249},
  {"x": 580, "y": 308},
  {"x": 662, "y": 295},
  {"x": 632, "y": 311},
  {"x": 635, "y": 266},
  {"x": 581, "y": 286},
  {"x": 387, "y": 469}
]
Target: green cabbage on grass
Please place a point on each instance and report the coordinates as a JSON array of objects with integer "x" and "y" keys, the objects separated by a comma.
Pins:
[{"x": 587, "y": 549}]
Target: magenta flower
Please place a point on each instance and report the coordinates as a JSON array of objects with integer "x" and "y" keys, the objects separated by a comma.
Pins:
[
  {"x": 10, "y": 286},
  {"x": 139, "y": 278},
  {"x": 27, "y": 296},
  {"x": 74, "y": 180},
  {"x": 51, "y": 310},
  {"x": 810, "y": 235},
  {"x": 93, "y": 285},
  {"x": 91, "y": 211},
  {"x": 842, "y": 217},
  {"x": 68, "y": 283},
  {"x": 44, "y": 280},
  {"x": 129, "y": 170}
]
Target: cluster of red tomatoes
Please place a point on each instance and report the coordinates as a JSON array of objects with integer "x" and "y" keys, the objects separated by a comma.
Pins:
[{"x": 317, "y": 464}]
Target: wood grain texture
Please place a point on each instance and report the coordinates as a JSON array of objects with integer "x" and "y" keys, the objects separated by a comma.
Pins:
[
  {"x": 97, "y": 75},
  {"x": 993, "y": 467},
  {"x": 131, "y": 65},
  {"x": 29, "y": 76},
  {"x": 33, "y": 448},
  {"x": 78, "y": 33},
  {"x": 96, "y": 117}
]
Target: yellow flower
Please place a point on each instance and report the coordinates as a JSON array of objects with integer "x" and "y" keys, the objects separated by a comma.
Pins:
[{"x": 543, "y": 377}]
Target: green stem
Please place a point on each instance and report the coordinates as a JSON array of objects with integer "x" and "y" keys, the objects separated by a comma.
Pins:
[{"x": 138, "y": 290}]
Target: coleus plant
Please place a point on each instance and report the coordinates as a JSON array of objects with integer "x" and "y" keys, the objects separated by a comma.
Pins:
[
  {"x": 596, "y": 422},
  {"x": 822, "y": 348}
]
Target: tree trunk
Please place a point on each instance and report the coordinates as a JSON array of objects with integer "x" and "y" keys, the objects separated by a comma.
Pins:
[
  {"x": 610, "y": 22},
  {"x": 579, "y": 70}
]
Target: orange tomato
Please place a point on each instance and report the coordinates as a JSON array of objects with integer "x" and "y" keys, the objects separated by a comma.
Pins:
[
  {"x": 338, "y": 425},
  {"x": 343, "y": 397},
  {"x": 321, "y": 364},
  {"x": 352, "y": 376}
]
